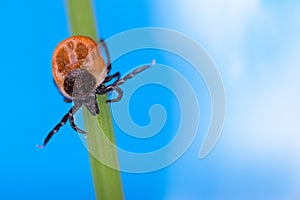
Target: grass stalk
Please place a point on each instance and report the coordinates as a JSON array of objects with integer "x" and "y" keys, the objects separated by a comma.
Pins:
[{"x": 107, "y": 181}]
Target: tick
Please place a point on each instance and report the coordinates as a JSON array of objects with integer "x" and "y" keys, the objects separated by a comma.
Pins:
[{"x": 80, "y": 74}]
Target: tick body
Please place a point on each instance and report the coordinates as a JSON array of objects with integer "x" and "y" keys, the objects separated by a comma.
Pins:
[
  {"x": 77, "y": 52},
  {"x": 80, "y": 73}
]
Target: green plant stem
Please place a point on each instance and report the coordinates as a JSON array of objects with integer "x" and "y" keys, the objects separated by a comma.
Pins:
[{"x": 107, "y": 181}]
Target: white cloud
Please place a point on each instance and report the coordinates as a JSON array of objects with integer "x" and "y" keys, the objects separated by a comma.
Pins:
[
  {"x": 219, "y": 21},
  {"x": 220, "y": 25},
  {"x": 263, "y": 120},
  {"x": 236, "y": 68},
  {"x": 268, "y": 114}
]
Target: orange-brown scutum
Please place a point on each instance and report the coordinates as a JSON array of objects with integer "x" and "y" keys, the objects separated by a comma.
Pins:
[{"x": 72, "y": 53}]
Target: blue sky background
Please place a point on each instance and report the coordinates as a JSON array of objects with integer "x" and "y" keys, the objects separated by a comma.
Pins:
[{"x": 255, "y": 46}]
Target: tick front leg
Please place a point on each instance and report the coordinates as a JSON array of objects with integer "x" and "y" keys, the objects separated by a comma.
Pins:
[
  {"x": 119, "y": 93},
  {"x": 117, "y": 75},
  {"x": 108, "y": 63},
  {"x": 73, "y": 125}
]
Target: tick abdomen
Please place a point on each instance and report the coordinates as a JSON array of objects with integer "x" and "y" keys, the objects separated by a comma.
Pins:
[{"x": 74, "y": 53}]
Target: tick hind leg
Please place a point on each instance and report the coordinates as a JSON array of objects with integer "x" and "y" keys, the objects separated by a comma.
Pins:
[
  {"x": 73, "y": 125},
  {"x": 119, "y": 94},
  {"x": 62, "y": 122}
]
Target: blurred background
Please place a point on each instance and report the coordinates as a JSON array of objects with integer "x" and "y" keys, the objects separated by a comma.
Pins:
[{"x": 254, "y": 45}]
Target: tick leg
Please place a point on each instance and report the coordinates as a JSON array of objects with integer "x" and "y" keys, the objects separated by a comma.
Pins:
[
  {"x": 67, "y": 100},
  {"x": 102, "y": 89},
  {"x": 62, "y": 122},
  {"x": 118, "y": 90},
  {"x": 73, "y": 125},
  {"x": 55, "y": 130},
  {"x": 108, "y": 63},
  {"x": 132, "y": 74},
  {"x": 109, "y": 78}
]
